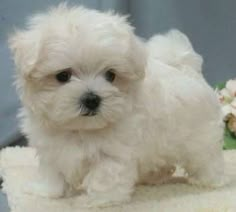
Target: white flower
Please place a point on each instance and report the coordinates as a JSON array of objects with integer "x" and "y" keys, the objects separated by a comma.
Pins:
[
  {"x": 227, "y": 97},
  {"x": 226, "y": 110},
  {"x": 231, "y": 87},
  {"x": 233, "y": 107}
]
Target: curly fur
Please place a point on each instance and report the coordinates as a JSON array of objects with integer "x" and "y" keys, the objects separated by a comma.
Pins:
[{"x": 159, "y": 112}]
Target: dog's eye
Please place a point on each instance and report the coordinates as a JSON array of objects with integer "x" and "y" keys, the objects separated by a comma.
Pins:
[
  {"x": 64, "y": 75},
  {"x": 110, "y": 75}
]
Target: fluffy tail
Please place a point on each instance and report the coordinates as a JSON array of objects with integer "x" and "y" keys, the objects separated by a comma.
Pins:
[{"x": 175, "y": 49}]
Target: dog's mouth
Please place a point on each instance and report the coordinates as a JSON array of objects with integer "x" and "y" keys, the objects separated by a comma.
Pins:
[{"x": 90, "y": 113}]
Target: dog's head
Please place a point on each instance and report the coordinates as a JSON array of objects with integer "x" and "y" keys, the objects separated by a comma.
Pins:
[{"x": 78, "y": 68}]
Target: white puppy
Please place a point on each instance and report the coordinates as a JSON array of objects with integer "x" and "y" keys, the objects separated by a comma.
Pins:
[{"x": 106, "y": 110}]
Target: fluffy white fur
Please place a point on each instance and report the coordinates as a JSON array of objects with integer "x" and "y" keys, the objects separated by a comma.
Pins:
[{"x": 158, "y": 113}]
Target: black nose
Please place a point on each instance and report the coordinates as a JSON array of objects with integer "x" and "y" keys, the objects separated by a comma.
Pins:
[{"x": 91, "y": 101}]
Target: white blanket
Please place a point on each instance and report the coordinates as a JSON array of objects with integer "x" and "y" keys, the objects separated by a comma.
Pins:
[{"x": 18, "y": 166}]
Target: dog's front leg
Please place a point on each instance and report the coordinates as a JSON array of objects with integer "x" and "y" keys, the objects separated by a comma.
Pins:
[
  {"x": 48, "y": 183},
  {"x": 110, "y": 182}
]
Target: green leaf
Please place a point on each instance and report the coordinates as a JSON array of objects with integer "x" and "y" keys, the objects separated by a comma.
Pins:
[
  {"x": 229, "y": 140},
  {"x": 220, "y": 85}
]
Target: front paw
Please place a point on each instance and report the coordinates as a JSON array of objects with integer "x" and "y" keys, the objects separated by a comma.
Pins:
[{"x": 45, "y": 189}]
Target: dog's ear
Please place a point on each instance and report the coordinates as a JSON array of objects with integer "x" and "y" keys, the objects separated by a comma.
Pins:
[
  {"x": 129, "y": 44},
  {"x": 25, "y": 46},
  {"x": 138, "y": 57}
]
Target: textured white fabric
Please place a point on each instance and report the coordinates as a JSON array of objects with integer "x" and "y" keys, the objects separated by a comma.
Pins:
[{"x": 19, "y": 165}]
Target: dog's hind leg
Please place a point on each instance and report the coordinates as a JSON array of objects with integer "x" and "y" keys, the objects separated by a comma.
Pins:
[{"x": 206, "y": 171}]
